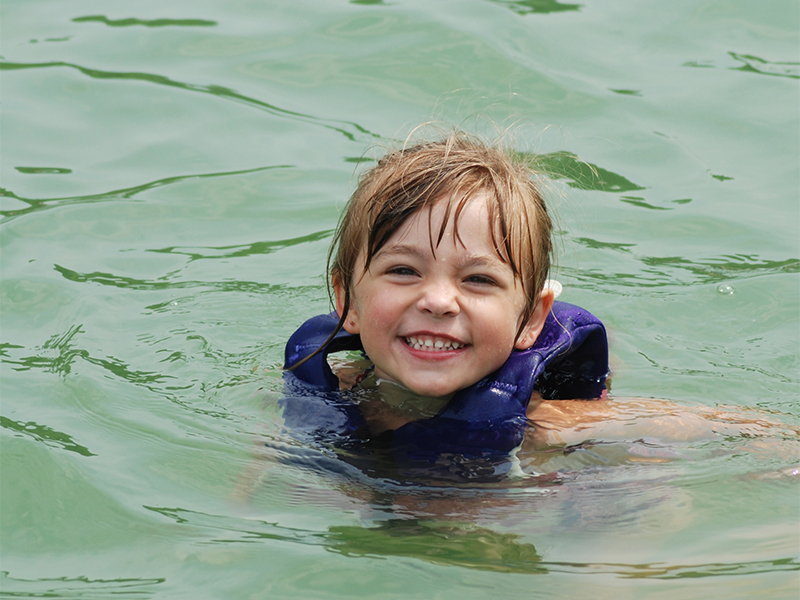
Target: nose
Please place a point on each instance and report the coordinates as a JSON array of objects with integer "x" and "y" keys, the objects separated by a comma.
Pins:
[{"x": 439, "y": 299}]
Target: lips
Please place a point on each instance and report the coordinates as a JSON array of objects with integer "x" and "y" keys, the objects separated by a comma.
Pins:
[{"x": 432, "y": 343}]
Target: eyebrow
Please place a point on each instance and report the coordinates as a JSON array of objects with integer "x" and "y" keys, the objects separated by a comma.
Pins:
[
  {"x": 401, "y": 250},
  {"x": 471, "y": 260}
]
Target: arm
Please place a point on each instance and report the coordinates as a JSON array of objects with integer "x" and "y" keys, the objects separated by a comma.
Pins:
[{"x": 567, "y": 422}]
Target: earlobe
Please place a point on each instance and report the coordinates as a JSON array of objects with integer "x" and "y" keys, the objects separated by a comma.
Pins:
[
  {"x": 351, "y": 322},
  {"x": 535, "y": 324}
]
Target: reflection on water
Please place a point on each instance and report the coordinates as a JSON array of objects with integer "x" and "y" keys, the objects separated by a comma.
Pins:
[
  {"x": 45, "y": 434},
  {"x": 59, "y": 354},
  {"x": 754, "y": 64},
  {"x": 79, "y": 587},
  {"x": 166, "y": 282},
  {"x": 145, "y": 22},
  {"x": 580, "y": 174},
  {"x": 439, "y": 543},
  {"x": 451, "y": 544},
  {"x": 36, "y": 204},
  {"x": 143, "y": 321},
  {"x": 525, "y": 7},
  {"x": 349, "y": 129},
  {"x": 667, "y": 270},
  {"x": 43, "y": 170},
  {"x": 256, "y": 248},
  {"x": 626, "y": 487},
  {"x": 641, "y": 203}
]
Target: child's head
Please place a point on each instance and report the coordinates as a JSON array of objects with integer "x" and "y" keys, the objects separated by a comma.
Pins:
[
  {"x": 469, "y": 206},
  {"x": 452, "y": 171}
]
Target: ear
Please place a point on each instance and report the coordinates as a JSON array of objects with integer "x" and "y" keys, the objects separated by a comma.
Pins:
[
  {"x": 535, "y": 324},
  {"x": 351, "y": 322}
]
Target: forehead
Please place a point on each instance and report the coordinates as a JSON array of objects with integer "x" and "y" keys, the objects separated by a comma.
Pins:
[
  {"x": 448, "y": 215},
  {"x": 451, "y": 223}
]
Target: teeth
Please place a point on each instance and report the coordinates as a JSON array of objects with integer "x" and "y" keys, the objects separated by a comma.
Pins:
[{"x": 430, "y": 344}]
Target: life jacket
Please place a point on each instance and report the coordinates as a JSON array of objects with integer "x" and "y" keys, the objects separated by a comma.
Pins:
[{"x": 485, "y": 420}]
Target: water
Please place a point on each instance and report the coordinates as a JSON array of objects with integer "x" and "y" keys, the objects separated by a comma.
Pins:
[{"x": 171, "y": 176}]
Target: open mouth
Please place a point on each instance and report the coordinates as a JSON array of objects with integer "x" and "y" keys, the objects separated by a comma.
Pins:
[{"x": 432, "y": 344}]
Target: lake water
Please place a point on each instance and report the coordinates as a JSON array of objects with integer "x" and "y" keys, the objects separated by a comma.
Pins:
[{"x": 171, "y": 175}]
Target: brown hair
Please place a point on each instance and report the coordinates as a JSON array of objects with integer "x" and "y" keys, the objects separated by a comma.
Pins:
[{"x": 452, "y": 170}]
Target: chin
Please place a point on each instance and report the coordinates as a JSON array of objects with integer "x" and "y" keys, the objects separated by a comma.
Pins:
[{"x": 432, "y": 391}]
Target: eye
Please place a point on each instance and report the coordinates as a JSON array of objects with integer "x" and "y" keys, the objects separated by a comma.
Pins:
[
  {"x": 481, "y": 280},
  {"x": 402, "y": 271}
]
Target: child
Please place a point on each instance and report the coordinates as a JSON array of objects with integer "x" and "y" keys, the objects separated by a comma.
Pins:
[{"x": 438, "y": 270}]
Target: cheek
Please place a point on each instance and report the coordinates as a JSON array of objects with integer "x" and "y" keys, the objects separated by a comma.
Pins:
[
  {"x": 380, "y": 309},
  {"x": 500, "y": 323},
  {"x": 372, "y": 307},
  {"x": 382, "y": 316}
]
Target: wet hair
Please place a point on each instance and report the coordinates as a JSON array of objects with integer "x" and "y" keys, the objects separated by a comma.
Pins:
[{"x": 453, "y": 171}]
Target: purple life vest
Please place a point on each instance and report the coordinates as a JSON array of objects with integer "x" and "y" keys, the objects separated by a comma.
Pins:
[{"x": 486, "y": 420}]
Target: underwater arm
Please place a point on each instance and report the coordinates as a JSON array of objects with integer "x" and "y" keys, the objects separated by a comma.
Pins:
[{"x": 569, "y": 422}]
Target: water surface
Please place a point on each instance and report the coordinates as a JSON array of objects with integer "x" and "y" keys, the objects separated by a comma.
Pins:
[{"x": 171, "y": 176}]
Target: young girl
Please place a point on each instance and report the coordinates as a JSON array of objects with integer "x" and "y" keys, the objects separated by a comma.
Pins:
[{"x": 439, "y": 270}]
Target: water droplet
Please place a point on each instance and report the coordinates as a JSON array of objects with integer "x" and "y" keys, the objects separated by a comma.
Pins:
[{"x": 725, "y": 289}]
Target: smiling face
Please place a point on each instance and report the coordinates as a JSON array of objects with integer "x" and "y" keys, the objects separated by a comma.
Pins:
[{"x": 437, "y": 320}]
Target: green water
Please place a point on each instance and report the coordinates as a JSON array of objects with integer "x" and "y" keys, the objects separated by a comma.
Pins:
[{"x": 171, "y": 174}]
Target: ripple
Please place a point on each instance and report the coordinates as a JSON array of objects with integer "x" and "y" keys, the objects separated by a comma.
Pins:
[
  {"x": 580, "y": 174},
  {"x": 663, "y": 270},
  {"x": 37, "y": 204},
  {"x": 43, "y": 170},
  {"x": 754, "y": 64},
  {"x": 59, "y": 354},
  {"x": 146, "y": 23},
  {"x": 242, "y": 250},
  {"x": 626, "y": 92},
  {"x": 526, "y": 7},
  {"x": 452, "y": 544},
  {"x": 351, "y": 130},
  {"x": 641, "y": 203},
  {"x": 165, "y": 282},
  {"x": 79, "y": 587},
  {"x": 681, "y": 571},
  {"x": 46, "y": 435}
]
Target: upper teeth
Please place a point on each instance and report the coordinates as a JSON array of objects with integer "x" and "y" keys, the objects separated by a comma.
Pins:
[{"x": 430, "y": 344}]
